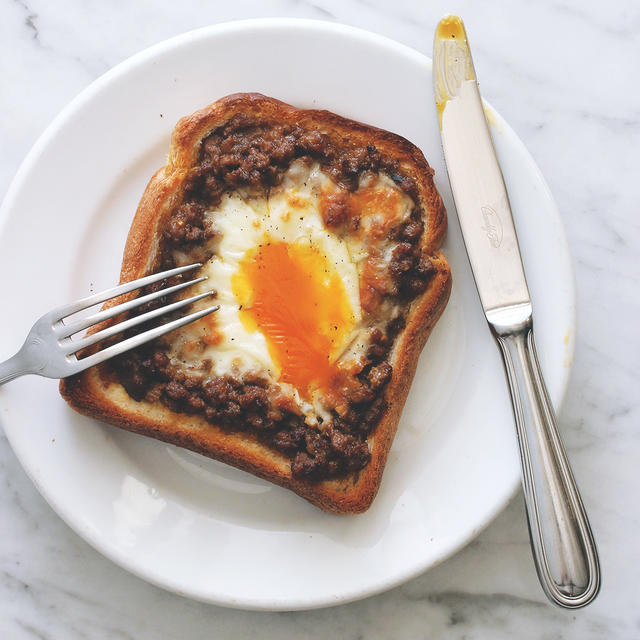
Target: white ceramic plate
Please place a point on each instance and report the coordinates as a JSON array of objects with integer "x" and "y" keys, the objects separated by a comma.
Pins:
[{"x": 190, "y": 524}]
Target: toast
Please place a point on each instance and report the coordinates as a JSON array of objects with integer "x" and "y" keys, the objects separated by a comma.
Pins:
[{"x": 320, "y": 236}]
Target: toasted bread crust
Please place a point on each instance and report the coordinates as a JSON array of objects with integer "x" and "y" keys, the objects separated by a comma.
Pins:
[{"x": 100, "y": 396}]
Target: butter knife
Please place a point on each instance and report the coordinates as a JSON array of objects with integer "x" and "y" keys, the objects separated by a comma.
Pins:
[{"x": 562, "y": 543}]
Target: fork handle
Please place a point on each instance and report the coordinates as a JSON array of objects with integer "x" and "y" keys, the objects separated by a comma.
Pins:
[
  {"x": 14, "y": 367},
  {"x": 563, "y": 547}
]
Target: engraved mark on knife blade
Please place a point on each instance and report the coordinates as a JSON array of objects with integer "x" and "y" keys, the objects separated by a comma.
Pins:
[{"x": 492, "y": 226}]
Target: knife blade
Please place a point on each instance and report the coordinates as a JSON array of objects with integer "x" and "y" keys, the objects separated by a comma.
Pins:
[
  {"x": 475, "y": 175},
  {"x": 562, "y": 543}
]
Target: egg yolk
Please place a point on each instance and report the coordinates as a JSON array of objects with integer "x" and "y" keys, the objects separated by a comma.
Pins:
[{"x": 294, "y": 296}]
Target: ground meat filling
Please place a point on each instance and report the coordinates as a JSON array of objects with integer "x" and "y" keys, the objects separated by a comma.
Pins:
[
  {"x": 253, "y": 156},
  {"x": 247, "y": 154},
  {"x": 339, "y": 447}
]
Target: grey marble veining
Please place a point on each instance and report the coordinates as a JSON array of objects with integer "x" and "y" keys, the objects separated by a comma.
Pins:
[{"x": 565, "y": 75}]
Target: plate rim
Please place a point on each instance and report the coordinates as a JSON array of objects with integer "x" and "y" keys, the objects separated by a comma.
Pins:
[{"x": 85, "y": 95}]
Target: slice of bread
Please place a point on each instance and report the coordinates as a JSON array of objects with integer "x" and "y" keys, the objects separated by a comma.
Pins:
[{"x": 358, "y": 192}]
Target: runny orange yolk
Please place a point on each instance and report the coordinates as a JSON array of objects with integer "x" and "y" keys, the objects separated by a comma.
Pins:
[{"x": 296, "y": 298}]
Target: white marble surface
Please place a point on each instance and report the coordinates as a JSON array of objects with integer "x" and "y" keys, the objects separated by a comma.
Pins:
[{"x": 564, "y": 74}]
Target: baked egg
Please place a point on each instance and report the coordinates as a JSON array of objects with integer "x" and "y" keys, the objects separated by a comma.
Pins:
[{"x": 288, "y": 287}]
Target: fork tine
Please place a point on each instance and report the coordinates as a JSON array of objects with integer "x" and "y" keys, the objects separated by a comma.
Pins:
[
  {"x": 62, "y": 312},
  {"x": 67, "y": 330},
  {"x": 73, "y": 346},
  {"x": 135, "y": 341}
]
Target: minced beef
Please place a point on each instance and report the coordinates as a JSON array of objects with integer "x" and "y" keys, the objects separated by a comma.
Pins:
[
  {"x": 187, "y": 226},
  {"x": 247, "y": 153},
  {"x": 253, "y": 155},
  {"x": 146, "y": 373}
]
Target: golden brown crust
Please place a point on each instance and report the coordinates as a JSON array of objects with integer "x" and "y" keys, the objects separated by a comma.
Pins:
[{"x": 100, "y": 396}]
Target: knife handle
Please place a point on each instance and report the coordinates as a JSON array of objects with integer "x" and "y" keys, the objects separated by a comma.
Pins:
[{"x": 563, "y": 547}]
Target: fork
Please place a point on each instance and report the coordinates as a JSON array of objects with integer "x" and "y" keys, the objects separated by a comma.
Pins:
[{"x": 50, "y": 351}]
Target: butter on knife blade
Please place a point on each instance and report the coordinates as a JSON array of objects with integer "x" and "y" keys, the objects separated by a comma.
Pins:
[{"x": 451, "y": 59}]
